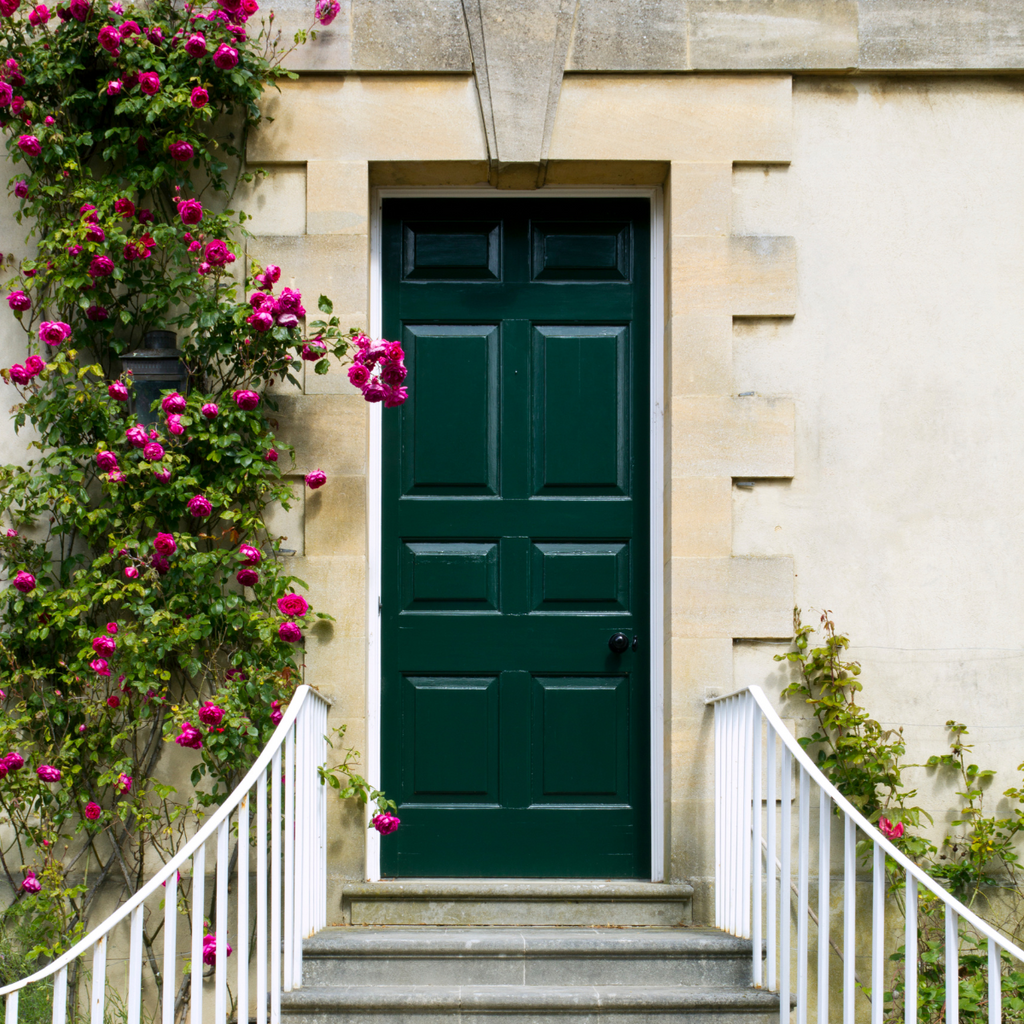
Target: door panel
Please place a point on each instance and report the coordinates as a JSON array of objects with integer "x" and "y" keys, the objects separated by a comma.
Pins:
[{"x": 514, "y": 538}]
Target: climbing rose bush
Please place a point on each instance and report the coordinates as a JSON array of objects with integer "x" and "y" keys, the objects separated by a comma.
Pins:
[{"x": 149, "y": 621}]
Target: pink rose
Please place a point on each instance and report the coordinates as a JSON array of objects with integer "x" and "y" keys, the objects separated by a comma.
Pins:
[
  {"x": 137, "y": 437},
  {"x": 118, "y": 390},
  {"x": 54, "y": 332},
  {"x": 211, "y": 714},
  {"x": 124, "y": 207},
  {"x": 394, "y": 397},
  {"x": 21, "y": 189},
  {"x": 246, "y": 400},
  {"x": 25, "y": 582},
  {"x": 110, "y": 39},
  {"x": 292, "y": 604},
  {"x": 385, "y": 823},
  {"x": 181, "y": 151},
  {"x": 100, "y": 666},
  {"x": 316, "y": 479},
  {"x": 199, "y": 507},
  {"x": 252, "y": 555},
  {"x": 392, "y": 373},
  {"x": 35, "y": 365},
  {"x": 48, "y": 773},
  {"x": 123, "y": 784},
  {"x": 199, "y": 98},
  {"x": 18, "y": 301},
  {"x": 29, "y": 145},
  {"x": 189, "y": 737},
  {"x": 313, "y": 351},
  {"x": 174, "y": 424},
  {"x": 97, "y": 313},
  {"x": 326, "y": 11},
  {"x": 113, "y": 701},
  {"x": 39, "y": 15},
  {"x": 93, "y": 810},
  {"x": 247, "y": 577},
  {"x": 190, "y": 211},
  {"x": 358, "y": 375},
  {"x": 31, "y": 883},
  {"x": 112, "y": 628},
  {"x": 96, "y": 233},
  {"x": 225, "y": 57},
  {"x": 272, "y": 274},
  {"x": 260, "y": 321},
  {"x": 165, "y": 543},
  {"x": 131, "y": 572},
  {"x": 210, "y": 410},
  {"x": 287, "y": 321},
  {"x": 144, "y": 216},
  {"x": 163, "y": 475},
  {"x": 373, "y": 391},
  {"x": 6, "y": 94},
  {"x": 210, "y": 950},
  {"x": 104, "y": 644},
  {"x": 101, "y": 266},
  {"x": 195, "y": 46},
  {"x": 217, "y": 253},
  {"x": 290, "y": 301},
  {"x": 889, "y": 830},
  {"x": 270, "y": 455},
  {"x": 114, "y": 86},
  {"x": 174, "y": 402},
  {"x": 290, "y": 632},
  {"x": 19, "y": 374},
  {"x": 129, "y": 28},
  {"x": 149, "y": 83},
  {"x": 106, "y": 461},
  {"x": 79, "y": 9},
  {"x": 14, "y": 761}
]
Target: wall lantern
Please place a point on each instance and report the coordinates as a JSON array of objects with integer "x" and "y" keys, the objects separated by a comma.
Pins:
[{"x": 156, "y": 367}]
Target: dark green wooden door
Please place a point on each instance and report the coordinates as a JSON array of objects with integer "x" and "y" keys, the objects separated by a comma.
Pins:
[{"x": 515, "y": 538}]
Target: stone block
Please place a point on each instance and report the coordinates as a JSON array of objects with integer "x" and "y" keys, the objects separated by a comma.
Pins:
[
  {"x": 606, "y": 172},
  {"x": 701, "y": 201},
  {"x": 732, "y": 437},
  {"x": 741, "y": 275},
  {"x": 696, "y": 670},
  {"x": 732, "y": 597},
  {"x": 336, "y": 517},
  {"x": 761, "y": 200},
  {"x": 328, "y": 432},
  {"x": 669, "y": 117},
  {"x": 426, "y": 173},
  {"x": 337, "y": 197},
  {"x": 629, "y": 35},
  {"x": 409, "y": 35},
  {"x": 362, "y": 117},
  {"x": 288, "y": 523},
  {"x": 275, "y": 202},
  {"x": 701, "y": 347},
  {"x": 701, "y": 512},
  {"x": 336, "y": 586},
  {"x": 735, "y": 35},
  {"x": 341, "y": 679}
]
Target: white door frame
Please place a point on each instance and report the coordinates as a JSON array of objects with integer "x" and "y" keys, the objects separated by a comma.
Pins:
[{"x": 657, "y": 495}]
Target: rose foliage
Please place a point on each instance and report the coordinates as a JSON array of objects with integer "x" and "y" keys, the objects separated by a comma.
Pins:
[{"x": 151, "y": 624}]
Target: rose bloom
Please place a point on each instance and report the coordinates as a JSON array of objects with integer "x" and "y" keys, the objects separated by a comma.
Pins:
[
  {"x": 137, "y": 436},
  {"x": 106, "y": 461},
  {"x": 125, "y": 207},
  {"x": 74, "y": 250},
  {"x": 101, "y": 266},
  {"x": 96, "y": 233},
  {"x": 93, "y": 810},
  {"x": 316, "y": 479},
  {"x": 290, "y": 301},
  {"x": 174, "y": 402},
  {"x": 104, "y": 644},
  {"x": 97, "y": 313},
  {"x": 217, "y": 253},
  {"x": 123, "y": 784},
  {"x": 19, "y": 374},
  {"x": 385, "y": 823},
  {"x": 272, "y": 274},
  {"x": 21, "y": 189},
  {"x": 199, "y": 506},
  {"x": 260, "y": 321},
  {"x": 131, "y": 572},
  {"x": 149, "y": 83},
  {"x": 203, "y": 268},
  {"x": 113, "y": 701},
  {"x": 129, "y": 28},
  {"x": 114, "y": 86},
  {"x": 251, "y": 555},
  {"x": 35, "y": 365},
  {"x": 131, "y": 252},
  {"x": 210, "y": 410},
  {"x": 112, "y": 628},
  {"x": 315, "y": 350},
  {"x": 6, "y": 94},
  {"x": 163, "y": 475},
  {"x": 373, "y": 391},
  {"x": 270, "y": 455},
  {"x": 118, "y": 390},
  {"x": 39, "y": 15},
  {"x": 292, "y": 604},
  {"x": 287, "y": 320},
  {"x": 14, "y": 761},
  {"x": 18, "y": 301},
  {"x": 79, "y": 9},
  {"x": 17, "y": 105},
  {"x": 165, "y": 543},
  {"x": 48, "y": 773},
  {"x": 100, "y": 666},
  {"x": 393, "y": 397},
  {"x": 109, "y": 38},
  {"x": 290, "y": 632},
  {"x": 54, "y": 332},
  {"x": 160, "y": 563},
  {"x": 211, "y": 714},
  {"x": 196, "y": 45},
  {"x": 358, "y": 375},
  {"x": 199, "y": 98},
  {"x": 247, "y": 577},
  {"x": 189, "y": 737},
  {"x": 8, "y": 7},
  {"x": 144, "y": 216},
  {"x": 246, "y": 400},
  {"x": 31, "y": 883},
  {"x": 326, "y": 11},
  {"x": 29, "y": 145},
  {"x": 25, "y": 582},
  {"x": 226, "y": 57},
  {"x": 392, "y": 373},
  {"x": 174, "y": 424},
  {"x": 181, "y": 151},
  {"x": 190, "y": 211},
  {"x": 210, "y": 950}
]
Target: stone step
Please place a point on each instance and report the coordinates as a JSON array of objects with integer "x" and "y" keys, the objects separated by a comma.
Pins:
[
  {"x": 425, "y": 955},
  {"x": 522, "y": 902},
  {"x": 524, "y": 1004}
]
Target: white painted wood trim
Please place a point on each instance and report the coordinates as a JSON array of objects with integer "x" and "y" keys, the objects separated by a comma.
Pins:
[{"x": 657, "y": 495}]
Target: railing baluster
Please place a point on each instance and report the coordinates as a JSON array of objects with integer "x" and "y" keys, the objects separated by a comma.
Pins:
[
  {"x": 785, "y": 884},
  {"x": 11, "y": 1009},
  {"x": 803, "y": 884},
  {"x": 910, "y": 953},
  {"x": 60, "y": 996},
  {"x": 242, "y": 937},
  {"x": 849, "y": 917},
  {"x": 877, "y": 933},
  {"x": 220, "y": 927},
  {"x": 746, "y": 814},
  {"x": 995, "y": 984},
  {"x": 198, "y": 898},
  {"x": 322, "y": 803},
  {"x": 824, "y": 898},
  {"x": 275, "y": 888},
  {"x": 135, "y": 967},
  {"x": 755, "y": 849},
  {"x": 719, "y": 816},
  {"x": 289, "y": 860},
  {"x": 952, "y": 967},
  {"x": 261, "y": 899},
  {"x": 728, "y": 852},
  {"x": 772, "y": 963},
  {"x": 99, "y": 984},
  {"x": 170, "y": 947}
]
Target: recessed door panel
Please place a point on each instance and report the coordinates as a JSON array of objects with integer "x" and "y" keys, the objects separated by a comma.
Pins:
[
  {"x": 452, "y": 252},
  {"x": 575, "y": 576},
  {"x": 580, "y": 251},
  {"x": 449, "y": 576}
]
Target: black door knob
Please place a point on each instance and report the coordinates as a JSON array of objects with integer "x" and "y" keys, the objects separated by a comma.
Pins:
[{"x": 619, "y": 643}]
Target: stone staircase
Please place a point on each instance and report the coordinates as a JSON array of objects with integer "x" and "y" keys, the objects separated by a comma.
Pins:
[{"x": 573, "y": 952}]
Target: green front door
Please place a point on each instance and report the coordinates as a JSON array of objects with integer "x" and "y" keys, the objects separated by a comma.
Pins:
[{"x": 515, "y": 538}]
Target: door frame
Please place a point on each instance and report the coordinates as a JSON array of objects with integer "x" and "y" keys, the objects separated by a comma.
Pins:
[{"x": 374, "y": 477}]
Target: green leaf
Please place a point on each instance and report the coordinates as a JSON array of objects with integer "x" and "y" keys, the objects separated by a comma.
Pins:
[
  {"x": 325, "y": 305},
  {"x": 322, "y": 366}
]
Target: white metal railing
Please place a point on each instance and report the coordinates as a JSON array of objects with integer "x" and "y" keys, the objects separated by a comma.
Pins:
[
  {"x": 754, "y": 875},
  {"x": 290, "y": 893}
]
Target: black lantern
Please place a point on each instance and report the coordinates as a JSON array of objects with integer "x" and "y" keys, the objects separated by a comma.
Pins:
[{"x": 156, "y": 367}]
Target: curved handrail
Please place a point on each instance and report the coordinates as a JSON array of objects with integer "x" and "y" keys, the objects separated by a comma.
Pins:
[
  {"x": 199, "y": 839},
  {"x": 863, "y": 824}
]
